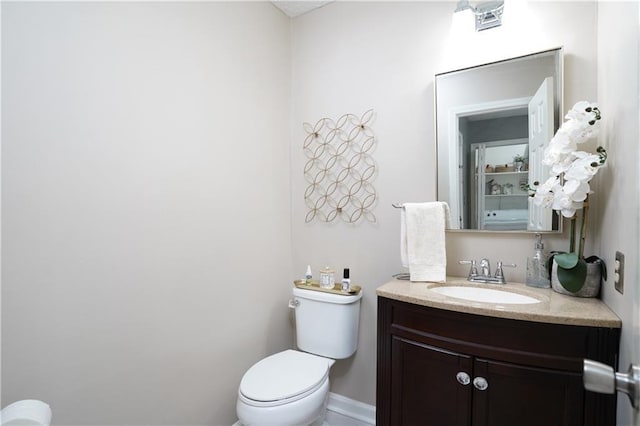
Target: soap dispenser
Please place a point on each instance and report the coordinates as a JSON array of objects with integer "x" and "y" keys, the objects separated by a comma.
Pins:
[{"x": 537, "y": 272}]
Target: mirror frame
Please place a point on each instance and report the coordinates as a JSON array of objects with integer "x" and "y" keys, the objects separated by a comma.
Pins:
[{"x": 558, "y": 118}]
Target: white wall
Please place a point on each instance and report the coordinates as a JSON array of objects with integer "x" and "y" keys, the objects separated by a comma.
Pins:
[
  {"x": 352, "y": 56},
  {"x": 618, "y": 189},
  {"x": 347, "y": 58},
  {"x": 145, "y": 206}
]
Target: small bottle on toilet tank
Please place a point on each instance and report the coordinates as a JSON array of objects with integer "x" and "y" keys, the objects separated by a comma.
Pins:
[
  {"x": 308, "y": 275},
  {"x": 346, "y": 281}
]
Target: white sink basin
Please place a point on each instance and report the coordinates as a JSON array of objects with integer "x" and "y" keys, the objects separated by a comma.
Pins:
[{"x": 485, "y": 295}]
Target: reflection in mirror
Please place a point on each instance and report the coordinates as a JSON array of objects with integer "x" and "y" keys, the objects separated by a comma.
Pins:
[{"x": 492, "y": 124}]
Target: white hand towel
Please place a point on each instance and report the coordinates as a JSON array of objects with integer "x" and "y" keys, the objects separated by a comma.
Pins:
[{"x": 422, "y": 239}]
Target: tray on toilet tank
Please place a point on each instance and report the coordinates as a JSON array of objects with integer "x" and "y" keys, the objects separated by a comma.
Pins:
[{"x": 337, "y": 288}]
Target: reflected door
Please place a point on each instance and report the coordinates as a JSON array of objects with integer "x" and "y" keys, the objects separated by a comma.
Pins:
[{"x": 540, "y": 133}]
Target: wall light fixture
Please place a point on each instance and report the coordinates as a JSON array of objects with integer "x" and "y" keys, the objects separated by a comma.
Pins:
[{"x": 486, "y": 15}]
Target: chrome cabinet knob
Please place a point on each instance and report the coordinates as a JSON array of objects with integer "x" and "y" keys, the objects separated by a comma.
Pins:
[
  {"x": 480, "y": 383},
  {"x": 463, "y": 378}
]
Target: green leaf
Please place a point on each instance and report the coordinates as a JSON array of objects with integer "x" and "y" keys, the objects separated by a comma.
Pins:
[
  {"x": 573, "y": 279},
  {"x": 566, "y": 260}
]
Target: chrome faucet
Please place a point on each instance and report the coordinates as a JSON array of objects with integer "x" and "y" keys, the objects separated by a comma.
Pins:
[
  {"x": 485, "y": 267},
  {"x": 485, "y": 271}
]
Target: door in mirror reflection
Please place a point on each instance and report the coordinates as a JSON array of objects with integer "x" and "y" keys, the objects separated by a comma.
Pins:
[{"x": 540, "y": 133}]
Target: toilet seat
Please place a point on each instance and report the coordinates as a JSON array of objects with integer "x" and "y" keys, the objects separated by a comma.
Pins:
[{"x": 283, "y": 378}]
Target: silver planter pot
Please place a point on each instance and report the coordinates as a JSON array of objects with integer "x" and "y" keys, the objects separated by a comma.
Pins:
[{"x": 592, "y": 284}]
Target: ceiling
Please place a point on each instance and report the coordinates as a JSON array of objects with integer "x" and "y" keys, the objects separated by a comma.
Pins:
[{"x": 297, "y": 8}]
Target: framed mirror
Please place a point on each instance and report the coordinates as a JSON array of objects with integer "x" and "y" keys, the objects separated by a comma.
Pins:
[{"x": 493, "y": 122}]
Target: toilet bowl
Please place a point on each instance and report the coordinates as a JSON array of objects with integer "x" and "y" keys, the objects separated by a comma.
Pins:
[
  {"x": 27, "y": 412},
  {"x": 287, "y": 388},
  {"x": 292, "y": 387}
]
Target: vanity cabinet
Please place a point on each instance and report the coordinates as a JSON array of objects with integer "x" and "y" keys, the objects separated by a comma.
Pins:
[{"x": 439, "y": 367}]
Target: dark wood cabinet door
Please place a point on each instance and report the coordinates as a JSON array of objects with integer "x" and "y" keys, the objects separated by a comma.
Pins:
[
  {"x": 425, "y": 389},
  {"x": 526, "y": 396}
]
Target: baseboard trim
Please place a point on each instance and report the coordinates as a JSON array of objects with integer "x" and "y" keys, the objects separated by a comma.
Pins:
[{"x": 351, "y": 408}]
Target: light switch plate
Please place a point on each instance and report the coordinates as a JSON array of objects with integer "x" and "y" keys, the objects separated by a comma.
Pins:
[{"x": 618, "y": 272}]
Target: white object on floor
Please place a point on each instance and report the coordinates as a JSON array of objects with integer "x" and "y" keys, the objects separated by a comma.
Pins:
[
  {"x": 28, "y": 412},
  {"x": 422, "y": 244},
  {"x": 292, "y": 387}
]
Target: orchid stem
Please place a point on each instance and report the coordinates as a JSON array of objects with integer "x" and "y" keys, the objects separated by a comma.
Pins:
[
  {"x": 583, "y": 231},
  {"x": 572, "y": 235}
]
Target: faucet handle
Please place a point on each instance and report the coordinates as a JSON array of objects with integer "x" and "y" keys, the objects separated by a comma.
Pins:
[
  {"x": 473, "y": 270},
  {"x": 499, "y": 272},
  {"x": 485, "y": 267}
]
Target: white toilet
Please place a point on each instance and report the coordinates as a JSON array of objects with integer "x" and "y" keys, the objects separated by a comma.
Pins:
[
  {"x": 292, "y": 387},
  {"x": 27, "y": 412}
]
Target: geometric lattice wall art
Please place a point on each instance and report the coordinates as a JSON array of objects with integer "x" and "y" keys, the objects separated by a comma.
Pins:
[{"x": 340, "y": 169}]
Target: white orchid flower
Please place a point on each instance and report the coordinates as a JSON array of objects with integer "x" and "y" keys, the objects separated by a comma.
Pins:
[
  {"x": 584, "y": 167},
  {"x": 582, "y": 111},
  {"x": 560, "y": 146},
  {"x": 570, "y": 169},
  {"x": 562, "y": 166},
  {"x": 544, "y": 194},
  {"x": 581, "y": 131},
  {"x": 576, "y": 190},
  {"x": 562, "y": 203},
  {"x": 565, "y": 204}
]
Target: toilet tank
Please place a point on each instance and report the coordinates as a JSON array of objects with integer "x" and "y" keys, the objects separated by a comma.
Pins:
[{"x": 326, "y": 323}]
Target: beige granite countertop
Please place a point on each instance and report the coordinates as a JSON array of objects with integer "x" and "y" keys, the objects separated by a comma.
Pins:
[{"x": 553, "y": 307}]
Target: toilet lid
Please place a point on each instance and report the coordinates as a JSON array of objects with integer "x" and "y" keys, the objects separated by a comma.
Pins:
[{"x": 284, "y": 375}]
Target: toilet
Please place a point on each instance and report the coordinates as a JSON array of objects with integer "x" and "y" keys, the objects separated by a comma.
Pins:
[
  {"x": 292, "y": 387},
  {"x": 27, "y": 412}
]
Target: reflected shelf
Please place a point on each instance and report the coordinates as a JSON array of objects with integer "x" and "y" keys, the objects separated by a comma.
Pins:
[{"x": 506, "y": 173}]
